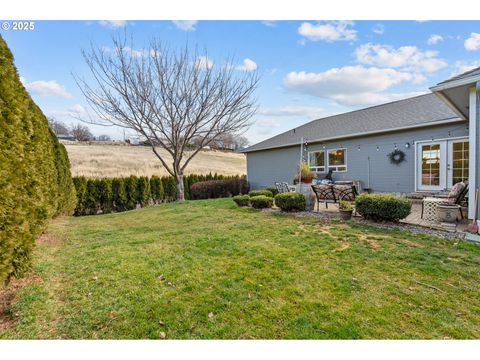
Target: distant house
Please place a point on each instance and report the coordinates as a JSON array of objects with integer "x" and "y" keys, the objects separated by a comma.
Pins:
[
  {"x": 65, "y": 137},
  {"x": 435, "y": 132}
]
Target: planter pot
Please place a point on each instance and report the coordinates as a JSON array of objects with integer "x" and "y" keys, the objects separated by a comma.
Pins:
[
  {"x": 346, "y": 214},
  {"x": 306, "y": 190},
  {"x": 447, "y": 213}
]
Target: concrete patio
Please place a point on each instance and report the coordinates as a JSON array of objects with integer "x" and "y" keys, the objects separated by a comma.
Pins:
[{"x": 414, "y": 218}]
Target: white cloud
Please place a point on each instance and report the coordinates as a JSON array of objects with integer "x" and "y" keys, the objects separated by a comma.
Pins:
[
  {"x": 464, "y": 66},
  {"x": 77, "y": 109},
  {"x": 328, "y": 31},
  {"x": 350, "y": 85},
  {"x": 473, "y": 42},
  {"x": 266, "y": 126},
  {"x": 247, "y": 65},
  {"x": 185, "y": 25},
  {"x": 378, "y": 29},
  {"x": 113, "y": 24},
  {"x": 434, "y": 39},
  {"x": 305, "y": 111},
  {"x": 409, "y": 58},
  {"x": 204, "y": 62},
  {"x": 47, "y": 88},
  {"x": 269, "y": 23}
]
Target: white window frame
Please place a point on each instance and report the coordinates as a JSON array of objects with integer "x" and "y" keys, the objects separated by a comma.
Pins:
[
  {"x": 320, "y": 169},
  {"x": 335, "y": 167}
]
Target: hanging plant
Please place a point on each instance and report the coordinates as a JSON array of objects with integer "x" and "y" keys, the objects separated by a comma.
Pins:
[{"x": 396, "y": 157}]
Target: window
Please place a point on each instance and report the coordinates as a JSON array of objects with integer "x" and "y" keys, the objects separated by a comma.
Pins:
[
  {"x": 316, "y": 161},
  {"x": 431, "y": 165},
  {"x": 460, "y": 161},
  {"x": 337, "y": 159}
]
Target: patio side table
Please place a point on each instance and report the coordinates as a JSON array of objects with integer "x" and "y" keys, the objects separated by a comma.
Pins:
[{"x": 430, "y": 208}]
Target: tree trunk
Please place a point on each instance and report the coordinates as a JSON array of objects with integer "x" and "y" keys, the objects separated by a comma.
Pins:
[{"x": 179, "y": 187}]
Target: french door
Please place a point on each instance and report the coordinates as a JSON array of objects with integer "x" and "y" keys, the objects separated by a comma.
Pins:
[{"x": 441, "y": 164}]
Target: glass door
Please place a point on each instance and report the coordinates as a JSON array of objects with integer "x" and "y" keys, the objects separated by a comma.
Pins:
[
  {"x": 432, "y": 165},
  {"x": 457, "y": 167}
]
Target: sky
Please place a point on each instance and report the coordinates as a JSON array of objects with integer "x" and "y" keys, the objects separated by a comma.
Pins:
[{"x": 308, "y": 69}]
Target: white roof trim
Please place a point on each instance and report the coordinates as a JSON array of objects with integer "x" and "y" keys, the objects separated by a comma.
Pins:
[
  {"x": 432, "y": 123},
  {"x": 456, "y": 83}
]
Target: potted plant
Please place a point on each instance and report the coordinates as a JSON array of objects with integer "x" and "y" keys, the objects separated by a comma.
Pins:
[
  {"x": 306, "y": 175},
  {"x": 447, "y": 212},
  {"x": 345, "y": 209}
]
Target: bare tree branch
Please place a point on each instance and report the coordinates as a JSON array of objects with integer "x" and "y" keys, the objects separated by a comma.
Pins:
[{"x": 171, "y": 98}]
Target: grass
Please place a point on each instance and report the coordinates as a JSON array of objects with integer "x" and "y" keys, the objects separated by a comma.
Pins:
[
  {"x": 238, "y": 273},
  {"x": 115, "y": 160}
]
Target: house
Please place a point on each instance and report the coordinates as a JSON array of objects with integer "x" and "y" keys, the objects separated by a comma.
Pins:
[{"x": 435, "y": 133}]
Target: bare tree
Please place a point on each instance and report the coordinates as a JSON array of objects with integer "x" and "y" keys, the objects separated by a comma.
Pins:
[
  {"x": 169, "y": 98},
  {"x": 241, "y": 142},
  {"x": 81, "y": 133},
  {"x": 58, "y": 127}
]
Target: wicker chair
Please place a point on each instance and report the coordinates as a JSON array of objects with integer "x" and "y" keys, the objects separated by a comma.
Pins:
[{"x": 283, "y": 187}]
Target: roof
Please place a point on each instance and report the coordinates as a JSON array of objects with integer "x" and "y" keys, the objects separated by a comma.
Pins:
[
  {"x": 462, "y": 76},
  {"x": 418, "y": 111}
]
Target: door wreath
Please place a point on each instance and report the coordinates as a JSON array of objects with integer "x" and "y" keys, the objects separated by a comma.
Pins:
[{"x": 396, "y": 157}]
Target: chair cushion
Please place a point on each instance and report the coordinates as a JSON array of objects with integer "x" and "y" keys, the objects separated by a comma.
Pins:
[{"x": 455, "y": 192}]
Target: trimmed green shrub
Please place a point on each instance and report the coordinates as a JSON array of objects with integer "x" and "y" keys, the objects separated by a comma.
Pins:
[
  {"x": 261, "y": 201},
  {"x": 290, "y": 201},
  {"x": 92, "y": 202},
  {"x": 260, "y": 192},
  {"x": 80, "y": 183},
  {"x": 156, "y": 189},
  {"x": 272, "y": 189},
  {"x": 131, "y": 190},
  {"x": 212, "y": 189},
  {"x": 105, "y": 195},
  {"x": 143, "y": 191},
  {"x": 169, "y": 188},
  {"x": 119, "y": 194},
  {"x": 35, "y": 181},
  {"x": 383, "y": 207},
  {"x": 242, "y": 200}
]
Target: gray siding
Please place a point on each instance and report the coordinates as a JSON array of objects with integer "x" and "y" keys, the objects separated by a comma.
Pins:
[{"x": 267, "y": 166}]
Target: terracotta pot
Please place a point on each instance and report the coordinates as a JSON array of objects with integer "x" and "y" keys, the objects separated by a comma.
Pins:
[
  {"x": 447, "y": 212},
  {"x": 346, "y": 214}
]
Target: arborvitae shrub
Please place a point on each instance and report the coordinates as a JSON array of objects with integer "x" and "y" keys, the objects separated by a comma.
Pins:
[
  {"x": 143, "y": 190},
  {"x": 105, "y": 195},
  {"x": 156, "y": 189},
  {"x": 119, "y": 194},
  {"x": 92, "y": 203},
  {"x": 80, "y": 183},
  {"x": 131, "y": 190},
  {"x": 35, "y": 183}
]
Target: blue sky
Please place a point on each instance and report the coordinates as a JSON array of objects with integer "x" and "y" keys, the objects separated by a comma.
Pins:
[{"x": 308, "y": 69}]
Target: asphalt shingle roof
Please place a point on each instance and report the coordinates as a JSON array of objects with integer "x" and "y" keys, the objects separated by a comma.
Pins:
[{"x": 415, "y": 111}]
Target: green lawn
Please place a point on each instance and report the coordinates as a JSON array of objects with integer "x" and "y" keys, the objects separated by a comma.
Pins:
[{"x": 234, "y": 273}]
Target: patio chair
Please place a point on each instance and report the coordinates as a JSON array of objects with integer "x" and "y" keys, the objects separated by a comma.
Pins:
[
  {"x": 324, "y": 193},
  {"x": 345, "y": 192},
  {"x": 283, "y": 187},
  {"x": 456, "y": 196}
]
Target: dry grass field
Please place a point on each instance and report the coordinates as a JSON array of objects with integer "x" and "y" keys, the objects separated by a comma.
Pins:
[{"x": 117, "y": 160}]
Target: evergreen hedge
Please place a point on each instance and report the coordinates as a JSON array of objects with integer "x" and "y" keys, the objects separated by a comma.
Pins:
[
  {"x": 96, "y": 196},
  {"x": 383, "y": 207},
  {"x": 35, "y": 180}
]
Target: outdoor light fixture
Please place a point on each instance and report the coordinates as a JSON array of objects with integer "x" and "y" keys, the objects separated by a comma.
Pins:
[
  {"x": 407, "y": 145},
  {"x": 378, "y": 149}
]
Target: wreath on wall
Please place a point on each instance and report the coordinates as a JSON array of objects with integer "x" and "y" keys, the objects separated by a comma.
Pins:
[{"x": 396, "y": 157}]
